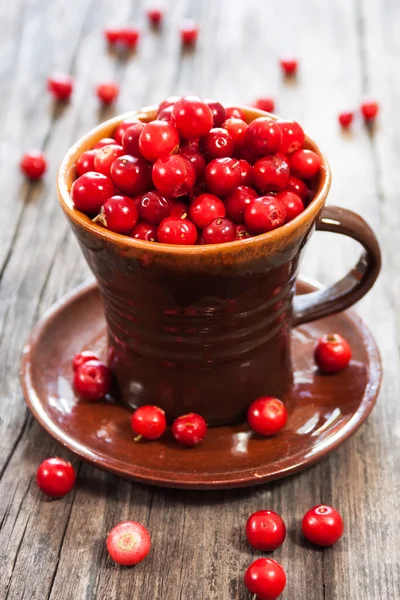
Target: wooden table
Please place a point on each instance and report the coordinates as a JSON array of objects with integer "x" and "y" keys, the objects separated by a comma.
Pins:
[{"x": 347, "y": 48}]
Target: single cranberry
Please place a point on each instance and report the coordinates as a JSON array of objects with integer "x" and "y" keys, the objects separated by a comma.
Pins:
[
  {"x": 293, "y": 204},
  {"x": 83, "y": 357},
  {"x": 128, "y": 543},
  {"x": 166, "y": 115},
  {"x": 130, "y": 139},
  {"x": 105, "y": 157},
  {"x": 189, "y": 32},
  {"x": 242, "y": 232},
  {"x": 289, "y": 65},
  {"x": 158, "y": 139},
  {"x": 263, "y": 137},
  {"x": 322, "y": 525},
  {"x": 219, "y": 231},
  {"x": 332, "y": 353},
  {"x": 122, "y": 127},
  {"x": 112, "y": 35},
  {"x": 92, "y": 380},
  {"x": 369, "y": 110},
  {"x": 236, "y": 202},
  {"x": 144, "y": 231},
  {"x": 305, "y": 164},
  {"x": 170, "y": 101},
  {"x": 85, "y": 162},
  {"x": 196, "y": 158},
  {"x": 267, "y": 415},
  {"x": 174, "y": 175},
  {"x": 237, "y": 130},
  {"x": 218, "y": 112},
  {"x": 271, "y": 174},
  {"x": 55, "y": 477},
  {"x": 107, "y": 92},
  {"x": 193, "y": 118},
  {"x": 33, "y": 164},
  {"x": 129, "y": 36},
  {"x": 189, "y": 430},
  {"x": 177, "y": 231},
  {"x": 233, "y": 112},
  {"x": 90, "y": 191},
  {"x": 104, "y": 142},
  {"x": 222, "y": 175},
  {"x": 131, "y": 174},
  {"x": 265, "y": 530},
  {"x": 246, "y": 172},
  {"x": 345, "y": 119},
  {"x": 265, "y": 578},
  {"x": 119, "y": 214},
  {"x": 153, "y": 207},
  {"x": 217, "y": 143},
  {"x": 265, "y": 103},
  {"x": 60, "y": 85},
  {"x": 149, "y": 422},
  {"x": 297, "y": 186},
  {"x": 179, "y": 210},
  {"x": 292, "y": 136},
  {"x": 155, "y": 16},
  {"x": 205, "y": 208}
]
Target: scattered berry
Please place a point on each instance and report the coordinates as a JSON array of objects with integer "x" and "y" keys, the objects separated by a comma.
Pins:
[
  {"x": 92, "y": 380},
  {"x": 189, "y": 430},
  {"x": 107, "y": 92},
  {"x": 112, "y": 35},
  {"x": 345, "y": 119},
  {"x": 33, "y": 164},
  {"x": 289, "y": 65},
  {"x": 149, "y": 422},
  {"x": 82, "y": 357},
  {"x": 265, "y": 578},
  {"x": 55, "y": 477},
  {"x": 189, "y": 32},
  {"x": 332, "y": 353},
  {"x": 369, "y": 110},
  {"x": 60, "y": 85},
  {"x": 267, "y": 104},
  {"x": 128, "y": 543},
  {"x": 264, "y": 214},
  {"x": 322, "y": 525},
  {"x": 129, "y": 37},
  {"x": 265, "y": 530},
  {"x": 155, "y": 16},
  {"x": 90, "y": 191},
  {"x": 267, "y": 415}
]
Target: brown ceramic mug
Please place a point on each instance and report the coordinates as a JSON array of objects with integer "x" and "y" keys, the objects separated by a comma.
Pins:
[{"x": 207, "y": 328}]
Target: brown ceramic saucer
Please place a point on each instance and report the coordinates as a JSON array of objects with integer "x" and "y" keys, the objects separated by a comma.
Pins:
[{"x": 324, "y": 409}]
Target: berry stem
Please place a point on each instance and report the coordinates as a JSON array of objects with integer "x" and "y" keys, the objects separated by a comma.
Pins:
[
  {"x": 101, "y": 218},
  {"x": 137, "y": 438}
]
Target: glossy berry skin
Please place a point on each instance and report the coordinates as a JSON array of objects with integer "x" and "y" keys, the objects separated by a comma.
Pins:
[
  {"x": 131, "y": 174},
  {"x": 90, "y": 191},
  {"x": 322, "y": 525},
  {"x": 122, "y": 127},
  {"x": 55, "y": 477},
  {"x": 179, "y": 210},
  {"x": 305, "y": 164},
  {"x": 218, "y": 112},
  {"x": 265, "y": 530},
  {"x": 196, "y": 158},
  {"x": 369, "y": 110},
  {"x": 153, "y": 207},
  {"x": 104, "y": 142},
  {"x": 267, "y": 104},
  {"x": 263, "y": 137},
  {"x": 297, "y": 186},
  {"x": 128, "y": 543},
  {"x": 237, "y": 130},
  {"x": 155, "y": 16},
  {"x": 267, "y": 415},
  {"x": 217, "y": 144},
  {"x": 189, "y": 430},
  {"x": 205, "y": 208},
  {"x": 166, "y": 115},
  {"x": 107, "y": 92},
  {"x": 149, "y": 422},
  {"x": 332, "y": 353},
  {"x": 177, "y": 231},
  {"x": 289, "y": 65},
  {"x": 292, "y": 136},
  {"x": 345, "y": 119},
  {"x": 105, "y": 157},
  {"x": 271, "y": 174},
  {"x": 222, "y": 175},
  {"x": 92, "y": 380},
  {"x": 234, "y": 112},
  {"x": 246, "y": 172},
  {"x": 33, "y": 164},
  {"x": 170, "y": 101},
  {"x": 118, "y": 214},
  {"x": 144, "y": 231},
  {"x": 82, "y": 357},
  {"x": 174, "y": 175},
  {"x": 219, "y": 231},
  {"x": 236, "y": 202},
  {"x": 293, "y": 204},
  {"x": 192, "y": 116},
  {"x": 129, "y": 37},
  {"x": 242, "y": 232},
  {"x": 60, "y": 85},
  {"x": 265, "y": 578},
  {"x": 130, "y": 139},
  {"x": 85, "y": 162},
  {"x": 189, "y": 31},
  {"x": 158, "y": 139}
]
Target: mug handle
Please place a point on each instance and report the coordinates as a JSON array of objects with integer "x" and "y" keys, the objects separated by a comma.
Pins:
[{"x": 350, "y": 289}]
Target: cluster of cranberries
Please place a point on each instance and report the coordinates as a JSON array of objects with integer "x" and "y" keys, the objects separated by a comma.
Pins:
[
  {"x": 369, "y": 110},
  {"x": 197, "y": 174}
]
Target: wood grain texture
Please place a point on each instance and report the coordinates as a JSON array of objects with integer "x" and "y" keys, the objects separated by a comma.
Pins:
[{"x": 348, "y": 48}]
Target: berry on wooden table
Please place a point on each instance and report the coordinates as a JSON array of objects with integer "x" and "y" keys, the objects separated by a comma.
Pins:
[
  {"x": 189, "y": 31},
  {"x": 55, "y": 477},
  {"x": 60, "y": 85},
  {"x": 369, "y": 110},
  {"x": 289, "y": 65},
  {"x": 332, "y": 353},
  {"x": 189, "y": 430},
  {"x": 129, "y": 37},
  {"x": 33, "y": 164},
  {"x": 345, "y": 119},
  {"x": 267, "y": 415},
  {"x": 107, "y": 92},
  {"x": 265, "y": 530},
  {"x": 265, "y": 578},
  {"x": 149, "y": 422},
  {"x": 265, "y": 103},
  {"x": 118, "y": 214},
  {"x": 264, "y": 214},
  {"x": 92, "y": 380},
  {"x": 322, "y": 525},
  {"x": 155, "y": 16},
  {"x": 128, "y": 543},
  {"x": 112, "y": 35},
  {"x": 90, "y": 191}
]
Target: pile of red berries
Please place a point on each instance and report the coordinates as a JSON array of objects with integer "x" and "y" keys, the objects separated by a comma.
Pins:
[{"x": 197, "y": 174}]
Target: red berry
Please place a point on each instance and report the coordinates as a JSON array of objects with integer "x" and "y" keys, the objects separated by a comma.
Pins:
[
  {"x": 246, "y": 172},
  {"x": 205, "y": 208},
  {"x": 177, "y": 231},
  {"x": 222, "y": 175},
  {"x": 237, "y": 130},
  {"x": 193, "y": 118},
  {"x": 149, "y": 422},
  {"x": 218, "y": 112},
  {"x": 107, "y": 92},
  {"x": 293, "y": 204},
  {"x": 196, "y": 158},
  {"x": 305, "y": 164},
  {"x": 242, "y": 232},
  {"x": 166, "y": 115},
  {"x": 217, "y": 143},
  {"x": 33, "y": 164},
  {"x": 297, "y": 186},
  {"x": 155, "y": 16},
  {"x": 158, "y": 139},
  {"x": 55, "y": 477},
  {"x": 233, "y": 112},
  {"x": 82, "y": 357},
  {"x": 174, "y": 175},
  {"x": 345, "y": 119},
  {"x": 153, "y": 207},
  {"x": 267, "y": 415},
  {"x": 129, "y": 36},
  {"x": 90, "y": 191},
  {"x": 237, "y": 201},
  {"x": 130, "y": 139},
  {"x": 122, "y": 127},
  {"x": 369, "y": 110},
  {"x": 332, "y": 353},
  {"x": 128, "y": 543},
  {"x": 131, "y": 174},
  {"x": 322, "y": 525},
  {"x": 265, "y": 578},
  {"x": 289, "y": 65},
  {"x": 105, "y": 157},
  {"x": 189, "y": 430},
  {"x": 271, "y": 174},
  {"x": 263, "y": 137},
  {"x": 219, "y": 231},
  {"x": 265, "y": 530},
  {"x": 267, "y": 104},
  {"x": 112, "y": 35},
  {"x": 119, "y": 214},
  {"x": 85, "y": 162},
  {"x": 60, "y": 85},
  {"x": 92, "y": 380},
  {"x": 179, "y": 210},
  {"x": 104, "y": 142},
  {"x": 189, "y": 32},
  {"x": 144, "y": 231},
  {"x": 292, "y": 136},
  {"x": 170, "y": 101}
]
